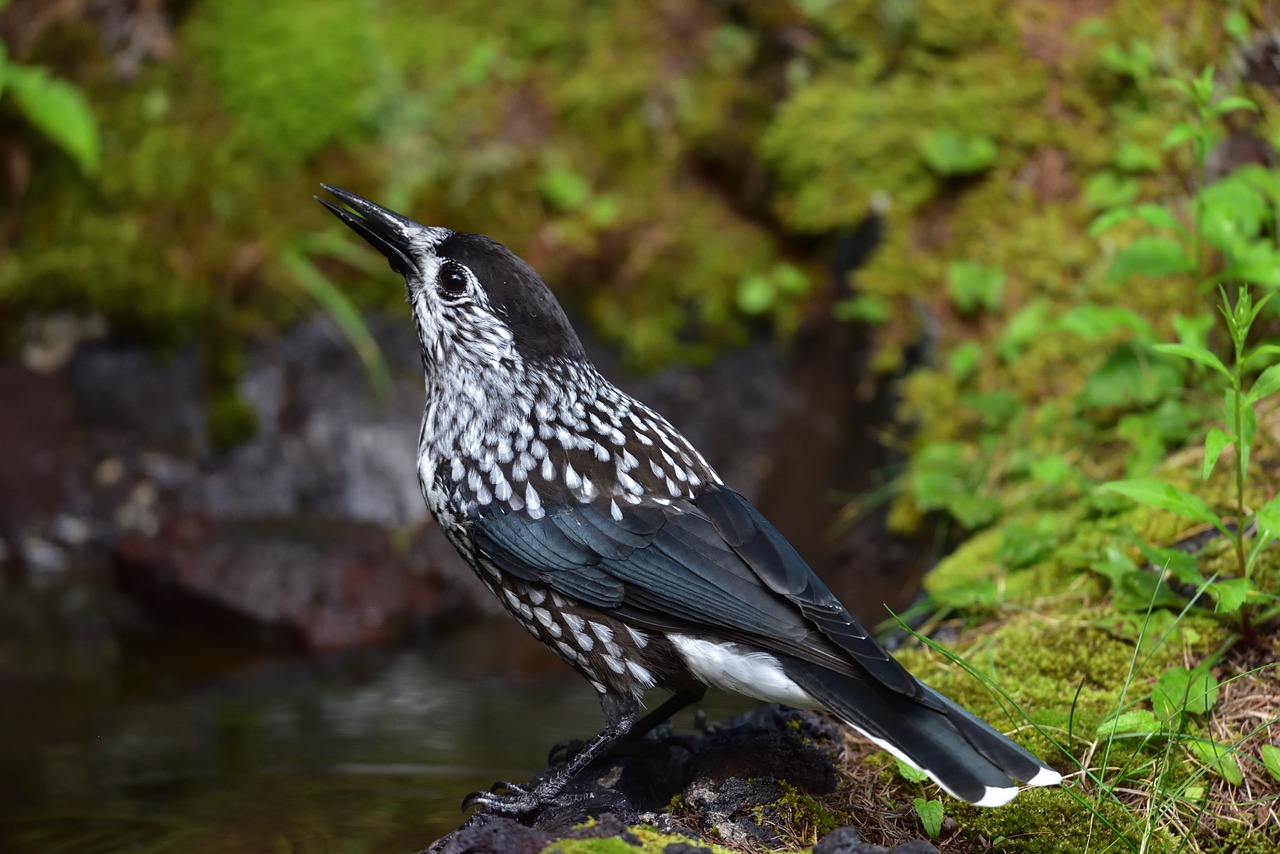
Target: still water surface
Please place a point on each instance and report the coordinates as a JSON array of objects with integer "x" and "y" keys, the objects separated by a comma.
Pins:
[{"x": 360, "y": 753}]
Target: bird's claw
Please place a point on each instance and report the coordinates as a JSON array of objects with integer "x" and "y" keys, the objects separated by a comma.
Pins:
[{"x": 503, "y": 797}]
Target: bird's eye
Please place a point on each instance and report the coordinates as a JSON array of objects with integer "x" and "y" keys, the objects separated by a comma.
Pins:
[{"x": 452, "y": 278}]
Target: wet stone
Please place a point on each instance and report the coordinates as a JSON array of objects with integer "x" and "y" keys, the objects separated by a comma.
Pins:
[{"x": 727, "y": 778}]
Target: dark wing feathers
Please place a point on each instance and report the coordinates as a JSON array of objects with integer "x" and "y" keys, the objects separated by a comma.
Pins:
[
  {"x": 776, "y": 562},
  {"x": 713, "y": 561},
  {"x": 546, "y": 554}
]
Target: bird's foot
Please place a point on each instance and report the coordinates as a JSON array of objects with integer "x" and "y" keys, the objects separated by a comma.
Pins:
[
  {"x": 632, "y": 745},
  {"x": 504, "y": 798}
]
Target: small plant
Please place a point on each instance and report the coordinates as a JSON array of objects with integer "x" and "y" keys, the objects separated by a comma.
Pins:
[
  {"x": 931, "y": 814},
  {"x": 760, "y": 292},
  {"x": 949, "y": 154},
  {"x": 1240, "y": 416},
  {"x": 930, "y": 811},
  {"x": 975, "y": 287},
  {"x": 1233, "y": 217},
  {"x": 865, "y": 308},
  {"x": 54, "y": 107}
]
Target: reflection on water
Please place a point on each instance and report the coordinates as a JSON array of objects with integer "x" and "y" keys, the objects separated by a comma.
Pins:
[{"x": 365, "y": 753}]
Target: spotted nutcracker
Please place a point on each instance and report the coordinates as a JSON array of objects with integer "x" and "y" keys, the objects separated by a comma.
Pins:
[{"x": 606, "y": 534}]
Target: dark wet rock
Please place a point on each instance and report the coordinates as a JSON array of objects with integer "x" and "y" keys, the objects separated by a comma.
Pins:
[
  {"x": 726, "y": 781},
  {"x": 847, "y": 840},
  {"x": 489, "y": 834},
  {"x": 315, "y": 583},
  {"x": 106, "y": 460},
  {"x": 686, "y": 848}
]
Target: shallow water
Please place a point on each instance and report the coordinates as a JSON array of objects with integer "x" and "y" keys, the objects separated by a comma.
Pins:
[{"x": 370, "y": 752}]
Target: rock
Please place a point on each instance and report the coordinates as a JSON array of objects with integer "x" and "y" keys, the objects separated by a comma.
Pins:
[
  {"x": 847, "y": 840},
  {"x": 315, "y": 583},
  {"x": 727, "y": 779},
  {"x": 107, "y": 460},
  {"x": 488, "y": 834},
  {"x": 686, "y": 848}
]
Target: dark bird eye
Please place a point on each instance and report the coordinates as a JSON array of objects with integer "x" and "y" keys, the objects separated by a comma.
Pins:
[{"x": 452, "y": 279}]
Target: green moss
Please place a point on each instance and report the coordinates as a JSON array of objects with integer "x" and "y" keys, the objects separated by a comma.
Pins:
[
  {"x": 797, "y": 815},
  {"x": 857, "y": 127},
  {"x": 1043, "y": 821},
  {"x": 651, "y": 842},
  {"x": 612, "y": 845},
  {"x": 303, "y": 74}
]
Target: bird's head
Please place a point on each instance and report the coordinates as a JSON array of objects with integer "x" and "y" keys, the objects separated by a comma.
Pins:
[{"x": 476, "y": 303}]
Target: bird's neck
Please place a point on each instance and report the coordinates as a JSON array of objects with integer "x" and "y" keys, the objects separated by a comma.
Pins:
[{"x": 468, "y": 409}]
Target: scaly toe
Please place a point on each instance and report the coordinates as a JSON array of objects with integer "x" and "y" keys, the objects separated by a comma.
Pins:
[{"x": 503, "y": 797}]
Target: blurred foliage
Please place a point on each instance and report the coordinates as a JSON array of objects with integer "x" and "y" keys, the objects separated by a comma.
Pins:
[
  {"x": 54, "y": 107},
  {"x": 675, "y": 170}
]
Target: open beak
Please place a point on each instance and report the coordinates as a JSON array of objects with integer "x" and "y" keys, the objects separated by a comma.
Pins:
[{"x": 386, "y": 231}]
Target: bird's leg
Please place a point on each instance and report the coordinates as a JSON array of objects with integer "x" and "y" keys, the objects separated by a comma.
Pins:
[
  {"x": 671, "y": 705},
  {"x": 619, "y": 715},
  {"x": 565, "y": 750}
]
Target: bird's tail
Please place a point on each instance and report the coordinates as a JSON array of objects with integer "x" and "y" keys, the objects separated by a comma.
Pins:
[{"x": 959, "y": 751}]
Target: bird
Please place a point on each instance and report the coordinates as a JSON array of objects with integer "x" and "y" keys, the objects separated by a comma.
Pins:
[{"x": 608, "y": 536}]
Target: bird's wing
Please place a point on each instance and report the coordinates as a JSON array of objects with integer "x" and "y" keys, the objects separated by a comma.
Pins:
[{"x": 710, "y": 561}]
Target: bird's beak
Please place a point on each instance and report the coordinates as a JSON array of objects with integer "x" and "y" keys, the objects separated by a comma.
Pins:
[{"x": 386, "y": 230}]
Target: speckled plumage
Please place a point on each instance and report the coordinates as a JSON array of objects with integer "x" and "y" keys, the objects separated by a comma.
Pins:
[{"x": 609, "y": 537}]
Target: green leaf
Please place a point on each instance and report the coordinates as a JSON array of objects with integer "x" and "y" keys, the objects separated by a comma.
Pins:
[
  {"x": 1179, "y": 690},
  {"x": 1133, "y": 157},
  {"x": 910, "y": 773},
  {"x": 1156, "y": 216},
  {"x": 1231, "y": 214},
  {"x": 964, "y": 360},
  {"x": 1178, "y": 563},
  {"x": 1150, "y": 255},
  {"x": 1177, "y": 135},
  {"x": 1268, "y": 517},
  {"x": 930, "y": 813},
  {"x": 1106, "y": 189},
  {"x": 59, "y": 110},
  {"x": 1166, "y": 496},
  {"x": 1026, "y": 326},
  {"x": 1248, "y": 426},
  {"x": 1230, "y": 594},
  {"x": 1219, "y": 757},
  {"x": 969, "y": 595},
  {"x": 1194, "y": 352},
  {"x": 1271, "y": 759},
  {"x": 1133, "y": 375},
  {"x": 950, "y": 153},
  {"x": 1236, "y": 24},
  {"x": 756, "y": 294},
  {"x": 1024, "y": 545},
  {"x": 974, "y": 286},
  {"x": 1133, "y": 589},
  {"x": 1215, "y": 442},
  {"x": 1193, "y": 330},
  {"x": 564, "y": 189},
  {"x": 1094, "y": 321},
  {"x": 1267, "y": 384},
  {"x": 1231, "y": 103},
  {"x": 868, "y": 308},
  {"x": 790, "y": 279},
  {"x": 1051, "y": 469},
  {"x": 1136, "y": 721}
]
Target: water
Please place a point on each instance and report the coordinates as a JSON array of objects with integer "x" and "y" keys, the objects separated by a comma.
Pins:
[{"x": 368, "y": 752}]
